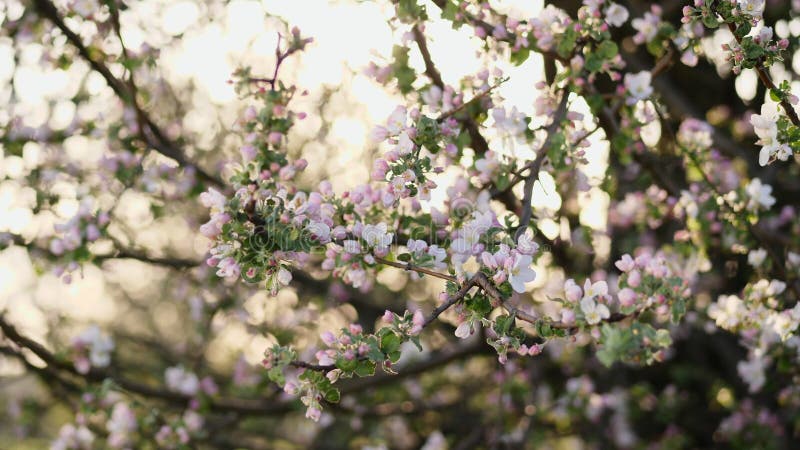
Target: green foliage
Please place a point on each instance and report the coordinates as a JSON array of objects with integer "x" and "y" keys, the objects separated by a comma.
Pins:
[
  {"x": 403, "y": 73},
  {"x": 637, "y": 344}
]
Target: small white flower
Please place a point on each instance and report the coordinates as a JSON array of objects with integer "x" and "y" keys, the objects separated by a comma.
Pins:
[
  {"x": 594, "y": 312},
  {"x": 351, "y": 246},
  {"x": 759, "y": 194},
  {"x": 756, "y": 257},
  {"x": 752, "y": 372},
  {"x": 120, "y": 425},
  {"x": 616, "y": 15},
  {"x": 752, "y": 8},
  {"x": 98, "y": 343},
  {"x": 71, "y": 437},
  {"x": 728, "y": 311},
  {"x": 511, "y": 122},
  {"x": 438, "y": 254},
  {"x": 520, "y": 272},
  {"x": 404, "y": 144},
  {"x": 376, "y": 236},
  {"x": 464, "y": 330},
  {"x": 592, "y": 290},
  {"x": 213, "y": 199},
  {"x": 284, "y": 276},
  {"x": 638, "y": 86},
  {"x": 397, "y": 121},
  {"x": 526, "y": 244},
  {"x": 766, "y": 128},
  {"x": 319, "y": 231},
  {"x": 765, "y": 34},
  {"x": 782, "y": 324},
  {"x": 180, "y": 380},
  {"x": 646, "y": 26}
]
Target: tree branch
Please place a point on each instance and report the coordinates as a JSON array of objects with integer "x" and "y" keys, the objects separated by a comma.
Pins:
[{"x": 150, "y": 133}]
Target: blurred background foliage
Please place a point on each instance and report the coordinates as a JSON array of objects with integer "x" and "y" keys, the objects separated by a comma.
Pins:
[{"x": 60, "y": 119}]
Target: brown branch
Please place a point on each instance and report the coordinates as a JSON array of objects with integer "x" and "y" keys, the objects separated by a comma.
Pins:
[
  {"x": 411, "y": 267},
  {"x": 766, "y": 80},
  {"x": 754, "y": 230},
  {"x": 473, "y": 100},
  {"x": 479, "y": 143},
  {"x": 536, "y": 165},
  {"x": 245, "y": 406}
]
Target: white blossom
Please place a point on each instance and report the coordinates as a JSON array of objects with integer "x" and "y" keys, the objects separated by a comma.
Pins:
[
  {"x": 520, "y": 272},
  {"x": 752, "y": 8},
  {"x": 752, "y": 372},
  {"x": 594, "y": 312},
  {"x": 616, "y": 15},
  {"x": 759, "y": 195},
  {"x": 183, "y": 381},
  {"x": 756, "y": 257},
  {"x": 638, "y": 86}
]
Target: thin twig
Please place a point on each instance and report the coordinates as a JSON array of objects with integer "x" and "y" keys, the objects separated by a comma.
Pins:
[
  {"x": 423, "y": 270},
  {"x": 766, "y": 80},
  {"x": 535, "y": 166}
]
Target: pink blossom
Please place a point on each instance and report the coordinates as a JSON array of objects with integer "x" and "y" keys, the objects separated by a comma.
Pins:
[
  {"x": 626, "y": 297},
  {"x": 625, "y": 263},
  {"x": 418, "y": 323}
]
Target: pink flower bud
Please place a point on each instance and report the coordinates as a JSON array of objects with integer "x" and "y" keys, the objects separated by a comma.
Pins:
[
  {"x": 250, "y": 114},
  {"x": 275, "y": 137},
  {"x": 248, "y": 152},
  {"x": 634, "y": 278},
  {"x": 290, "y": 388},
  {"x": 328, "y": 338},
  {"x": 627, "y": 297},
  {"x": 567, "y": 316}
]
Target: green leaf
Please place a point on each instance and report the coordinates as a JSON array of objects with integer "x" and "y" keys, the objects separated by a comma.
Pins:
[
  {"x": 520, "y": 56},
  {"x": 710, "y": 20},
  {"x": 678, "y": 310},
  {"x": 449, "y": 12},
  {"x": 415, "y": 341},
  {"x": 275, "y": 375},
  {"x": 594, "y": 62},
  {"x": 332, "y": 395},
  {"x": 743, "y": 30},
  {"x": 543, "y": 329},
  {"x": 607, "y": 49},
  {"x": 615, "y": 344},
  {"x": 566, "y": 45},
  {"x": 503, "y": 324},
  {"x": 390, "y": 343},
  {"x": 375, "y": 354},
  {"x": 347, "y": 365},
  {"x": 663, "y": 338},
  {"x": 502, "y": 182},
  {"x": 365, "y": 369}
]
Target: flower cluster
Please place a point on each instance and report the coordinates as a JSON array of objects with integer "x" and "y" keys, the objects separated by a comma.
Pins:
[
  {"x": 92, "y": 348},
  {"x": 351, "y": 353},
  {"x": 75, "y": 235},
  {"x": 754, "y": 47},
  {"x": 71, "y": 437},
  {"x": 765, "y": 126}
]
